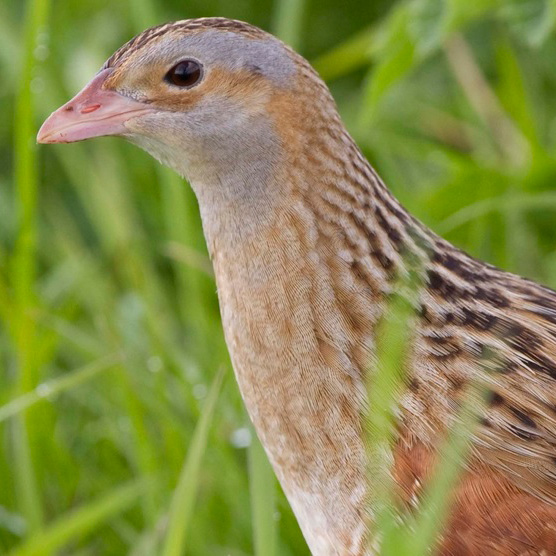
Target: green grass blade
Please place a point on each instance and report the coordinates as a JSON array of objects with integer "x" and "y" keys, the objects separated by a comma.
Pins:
[
  {"x": 53, "y": 387},
  {"x": 82, "y": 521},
  {"x": 385, "y": 384},
  {"x": 25, "y": 157},
  {"x": 393, "y": 63},
  {"x": 288, "y": 21},
  {"x": 262, "y": 486},
  {"x": 183, "y": 499},
  {"x": 479, "y": 209},
  {"x": 23, "y": 265},
  {"x": 348, "y": 56},
  {"x": 434, "y": 512}
]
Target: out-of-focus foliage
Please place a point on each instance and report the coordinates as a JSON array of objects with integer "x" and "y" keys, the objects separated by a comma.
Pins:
[{"x": 110, "y": 336}]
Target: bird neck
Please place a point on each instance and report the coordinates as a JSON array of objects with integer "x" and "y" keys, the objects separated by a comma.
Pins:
[
  {"x": 323, "y": 195},
  {"x": 300, "y": 295}
]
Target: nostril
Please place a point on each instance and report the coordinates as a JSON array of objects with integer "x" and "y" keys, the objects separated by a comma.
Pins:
[
  {"x": 68, "y": 109},
  {"x": 90, "y": 108}
]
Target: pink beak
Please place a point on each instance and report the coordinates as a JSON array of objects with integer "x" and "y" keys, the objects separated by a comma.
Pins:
[{"x": 93, "y": 112}]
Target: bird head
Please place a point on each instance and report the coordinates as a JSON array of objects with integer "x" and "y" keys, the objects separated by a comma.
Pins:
[{"x": 201, "y": 96}]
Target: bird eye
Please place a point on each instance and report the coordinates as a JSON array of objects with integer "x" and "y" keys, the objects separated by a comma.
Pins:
[{"x": 185, "y": 74}]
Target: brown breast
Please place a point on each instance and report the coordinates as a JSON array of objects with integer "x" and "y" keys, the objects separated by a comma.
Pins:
[{"x": 490, "y": 515}]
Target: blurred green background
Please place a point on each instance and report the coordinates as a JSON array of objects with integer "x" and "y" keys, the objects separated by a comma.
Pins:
[{"x": 122, "y": 430}]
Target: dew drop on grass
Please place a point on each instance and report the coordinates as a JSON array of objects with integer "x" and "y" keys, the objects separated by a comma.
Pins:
[
  {"x": 37, "y": 85},
  {"x": 124, "y": 424},
  {"x": 199, "y": 391},
  {"x": 154, "y": 364},
  {"x": 241, "y": 438},
  {"x": 43, "y": 37},
  {"x": 41, "y": 52},
  {"x": 44, "y": 390}
]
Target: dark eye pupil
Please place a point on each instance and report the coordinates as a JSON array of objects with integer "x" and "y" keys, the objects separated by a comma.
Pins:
[{"x": 184, "y": 74}]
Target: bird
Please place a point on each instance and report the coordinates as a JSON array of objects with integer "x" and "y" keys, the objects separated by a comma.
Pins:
[{"x": 308, "y": 246}]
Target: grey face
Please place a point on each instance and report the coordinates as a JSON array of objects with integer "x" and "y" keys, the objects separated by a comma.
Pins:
[
  {"x": 207, "y": 130},
  {"x": 223, "y": 49},
  {"x": 220, "y": 133}
]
